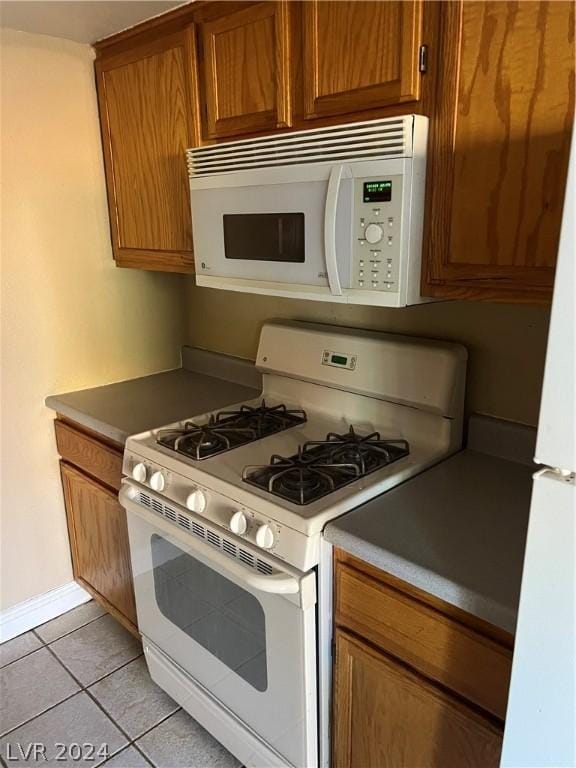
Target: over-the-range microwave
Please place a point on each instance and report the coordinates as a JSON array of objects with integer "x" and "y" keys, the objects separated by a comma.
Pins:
[{"x": 331, "y": 214}]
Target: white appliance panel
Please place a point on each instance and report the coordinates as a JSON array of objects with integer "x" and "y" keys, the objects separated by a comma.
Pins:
[
  {"x": 332, "y": 214},
  {"x": 540, "y": 729},
  {"x": 304, "y": 198},
  {"x": 253, "y": 649},
  {"x": 556, "y": 441},
  {"x": 541, "y": 719}
]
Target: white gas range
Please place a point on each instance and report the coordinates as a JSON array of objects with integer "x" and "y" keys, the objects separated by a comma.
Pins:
[{"x": 226, "y": 512}]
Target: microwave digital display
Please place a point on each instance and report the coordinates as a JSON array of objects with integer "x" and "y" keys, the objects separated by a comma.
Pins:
[{"x": 377, "y": 191}]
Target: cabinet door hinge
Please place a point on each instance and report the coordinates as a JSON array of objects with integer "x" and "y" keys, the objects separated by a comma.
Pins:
[{"x": 423, "y": 58}]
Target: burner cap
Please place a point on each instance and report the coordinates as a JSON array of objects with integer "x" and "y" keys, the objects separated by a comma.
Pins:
[{"x": 296, "y": 480}]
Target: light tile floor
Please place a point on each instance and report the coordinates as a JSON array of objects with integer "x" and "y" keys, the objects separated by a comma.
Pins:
[{"x": 80, "y": 682}]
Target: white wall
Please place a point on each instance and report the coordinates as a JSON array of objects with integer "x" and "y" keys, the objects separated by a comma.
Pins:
[{"x": 70, "y": 318}]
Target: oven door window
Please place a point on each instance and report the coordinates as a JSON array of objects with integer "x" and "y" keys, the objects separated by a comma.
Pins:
[
  {"x": 277, "y": 237},
  {"x": 222, "y": 617}
]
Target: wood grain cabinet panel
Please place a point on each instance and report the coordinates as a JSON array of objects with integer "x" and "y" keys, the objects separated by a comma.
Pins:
[
  {"x": 360, "y": 55},
  {"x": 446, "y": 651},
  {"x": 91, "y": 455},
  {"x": 246, "y": 70},
  {"x": 147, "y": 114},
  {"x": 99, "y": 541},
  {"x": 499, "y": 150},
  {"x": 387, "y": 716}
]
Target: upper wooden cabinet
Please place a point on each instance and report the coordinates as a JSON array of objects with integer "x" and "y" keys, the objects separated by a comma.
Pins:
[
  {"x": 360, "y": 55},
  {"x": 148, "y": 114},
  {"x": 499, "y": 148},
  {"x": 498, "y": 88},
  {"x": 245, "y": 80}
]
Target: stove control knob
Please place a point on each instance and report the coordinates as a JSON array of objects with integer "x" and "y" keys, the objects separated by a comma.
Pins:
[
  {"x": 157, "y": 481},
  {"x": 139, "y": 472},
  {"x": 196, "y": 501},
  {"x": 238, "y": 523},
  {"x": 373, "y": 233},
  {"x": 131, "y": 492},
  {"x": 265, "y": 537}
]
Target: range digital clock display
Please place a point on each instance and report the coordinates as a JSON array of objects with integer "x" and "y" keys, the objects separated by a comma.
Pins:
[{"x": 377, "y": 191}]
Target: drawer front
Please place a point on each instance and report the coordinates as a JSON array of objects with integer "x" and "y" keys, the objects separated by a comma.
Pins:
[
  {"x": 464, "y": 661},
  {"x": 94, "y": 457}
]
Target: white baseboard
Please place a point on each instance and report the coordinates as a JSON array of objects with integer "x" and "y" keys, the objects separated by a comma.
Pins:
[{"x": 31, "y": 613}]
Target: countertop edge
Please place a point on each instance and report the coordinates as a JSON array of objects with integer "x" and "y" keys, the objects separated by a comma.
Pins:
[
  {"x": 90, "y": 422},
  {"x": 194, "y": 361},
  {"x": 423, "y": 578}
]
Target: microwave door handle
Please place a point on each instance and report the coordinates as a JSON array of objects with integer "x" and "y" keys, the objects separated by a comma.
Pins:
[
  {"x": 336, "y": 174},
  {"x": 277, "y": 584}
]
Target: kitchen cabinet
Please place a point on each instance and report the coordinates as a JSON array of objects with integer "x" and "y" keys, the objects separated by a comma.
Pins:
[
  {"x": 245, "y": 81},
  {"x": 360, "y": 55},
  {"x": 388, "y": 716},
  {"x": 416, "y": 681},
  {"x": 497, "y": 83},
  {"x": 91, "y": 471},
  {"x": 498, "y": 149},
  {"x": 148, "y": 117}
]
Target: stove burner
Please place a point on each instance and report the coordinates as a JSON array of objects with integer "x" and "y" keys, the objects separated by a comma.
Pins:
[
  {"x": 229, "y": 429},
  {"x": 321, "y": 467}
]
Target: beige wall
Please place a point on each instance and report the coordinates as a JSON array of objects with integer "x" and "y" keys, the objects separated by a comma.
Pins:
[
  {"x": 70, "y": 319},
  {"x": 506, "y": 343}
]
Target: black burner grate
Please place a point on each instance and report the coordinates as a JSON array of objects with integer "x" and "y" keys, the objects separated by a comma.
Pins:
[
  {"x": 321, "y": 467},
  {"x": 229, "y": 429}
]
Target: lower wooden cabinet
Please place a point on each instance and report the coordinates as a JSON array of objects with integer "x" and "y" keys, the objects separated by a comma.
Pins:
[
  {"x": 96, "y": 521},
  {"x": 389, "y": 717},
  {"x": 417, "y": 683}
]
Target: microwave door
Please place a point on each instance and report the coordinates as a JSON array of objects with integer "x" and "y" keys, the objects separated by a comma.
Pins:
[{"x": 274, "y": 233}]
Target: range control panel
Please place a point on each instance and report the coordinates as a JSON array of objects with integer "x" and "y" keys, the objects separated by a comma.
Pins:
[
  {"x": 377, "y": 229},
  {"x": 164, "y": 491}
]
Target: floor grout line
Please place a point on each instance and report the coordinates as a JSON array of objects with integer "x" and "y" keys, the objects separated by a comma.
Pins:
[
  {"x": 137, "y": 748},
  {"x": 85, "y": 686},
  {"x": 22, "y": 657},
  {"x": 39, "y": 714},
  {"x": 86, "y": 689},
  {"x": 147, "y": 731},
  {"x": 67, "y": 634}
]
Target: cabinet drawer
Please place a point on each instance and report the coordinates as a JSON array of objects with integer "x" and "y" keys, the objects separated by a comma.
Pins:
[
  {"x": 88, "y": 453},
  {"x": 444, "y": 650}
]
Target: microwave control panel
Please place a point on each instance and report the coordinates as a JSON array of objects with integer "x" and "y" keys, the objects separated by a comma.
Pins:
[{"x": 377, "y": 229}]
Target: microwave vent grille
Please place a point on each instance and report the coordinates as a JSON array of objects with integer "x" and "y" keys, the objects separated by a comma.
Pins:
[{"x": 375, "y": 139}]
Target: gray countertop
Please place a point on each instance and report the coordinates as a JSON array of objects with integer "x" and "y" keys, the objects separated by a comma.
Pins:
[
  {"x": 206, "y": 382},
  {"x": 458, "y": 530}
]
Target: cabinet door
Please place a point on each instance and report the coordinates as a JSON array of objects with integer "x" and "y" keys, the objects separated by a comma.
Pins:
[
  {"x": 360, "y": 55},
  {"x": 147, "y": 113},
  {"x": 387, "y": 716},
  {"x": 246, "y": 70},
  {"x": 499, "y": 149},
  {"x": 99, "y": 541}
]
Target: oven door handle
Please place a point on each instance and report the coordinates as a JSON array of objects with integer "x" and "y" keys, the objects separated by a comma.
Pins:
[
  {"x": 276, "y": 584},
  {"x": 336, "y": 174}
]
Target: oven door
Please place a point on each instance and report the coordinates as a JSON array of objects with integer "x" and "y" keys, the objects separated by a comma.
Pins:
[
  {"x": 247, "y": 637},
  {"x": 289, "y": 226}
]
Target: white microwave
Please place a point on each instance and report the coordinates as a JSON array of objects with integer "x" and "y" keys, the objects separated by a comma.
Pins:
[{"x": 331, "y": 214}]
